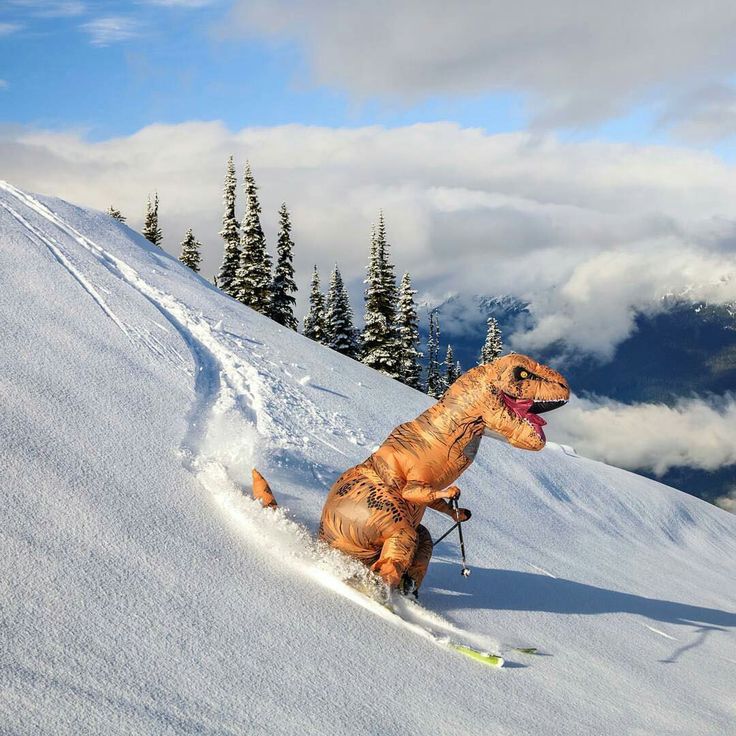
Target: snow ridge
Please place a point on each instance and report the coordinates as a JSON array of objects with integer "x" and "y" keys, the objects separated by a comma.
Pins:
[{"x": 134, "y": 603}]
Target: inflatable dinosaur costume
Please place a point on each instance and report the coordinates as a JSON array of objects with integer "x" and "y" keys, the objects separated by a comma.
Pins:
[{"x": 374, "y": 510}]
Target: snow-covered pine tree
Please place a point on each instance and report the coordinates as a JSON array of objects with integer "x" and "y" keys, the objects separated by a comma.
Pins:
[
  {"x": 190, "y": 253},
  {"x": 230, "y": 233},
  {"x": 313, "y": 324},
  {"x": 282, "y": 301},
  {"x": 151, "y": 230},
  {"x": 492, "y": 346},
  {"x": 409, "y": 357},
  {"x": 116, "y": 214},
  {"x": 451, "y": 367},
  {"x": 380, "y": 339},
  {"x": 253, "y": 277},
  {"x": 341, "y": 335},
  {"x": 435, "y": 384}
]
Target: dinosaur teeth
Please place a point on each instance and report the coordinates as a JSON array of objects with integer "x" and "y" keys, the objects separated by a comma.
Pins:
[
  {"x": 538, "y": 407},
  {"x": 536, "y": 427}
]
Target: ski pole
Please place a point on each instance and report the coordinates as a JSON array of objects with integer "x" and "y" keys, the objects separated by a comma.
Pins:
[
  {"x": 465, "y": 571},
  {"x": 449, "y": 531}
]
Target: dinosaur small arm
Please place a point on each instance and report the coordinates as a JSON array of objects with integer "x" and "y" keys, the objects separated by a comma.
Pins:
[{"x": 374, "y": 510}]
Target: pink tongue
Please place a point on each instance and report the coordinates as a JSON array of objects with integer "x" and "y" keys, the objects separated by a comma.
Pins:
[{"x": 522, "y": 407}]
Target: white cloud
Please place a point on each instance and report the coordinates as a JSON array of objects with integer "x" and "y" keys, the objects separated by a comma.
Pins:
[
  {"x": 586, "y": 232},
  {"x": 596, "y": 305},
  {"x": 694, "y": 433},
  {"x": 111, "y": 29},
  {"x": 49, "y": 8},
  {"x": 183, "y": 3},
  {"x": 705, "y": 116},
  {"x": 579, "y": 61},
  {"x": 728, "y": 502},
  {"x": 62, "y": 9},
  {"x": 7, "y": 29},
  {"x": 3, "y": 84}
]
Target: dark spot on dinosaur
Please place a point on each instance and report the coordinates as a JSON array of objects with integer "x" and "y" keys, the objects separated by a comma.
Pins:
[{"x": 346, "y": 488}]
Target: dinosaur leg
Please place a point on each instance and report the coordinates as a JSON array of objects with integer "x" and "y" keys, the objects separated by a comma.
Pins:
[
  {"x": 397, "y": 554},
  {"x": 418, "y": 567}
]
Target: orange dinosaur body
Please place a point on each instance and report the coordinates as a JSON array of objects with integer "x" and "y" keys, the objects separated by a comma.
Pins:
[{"x": 374, "y": 510}]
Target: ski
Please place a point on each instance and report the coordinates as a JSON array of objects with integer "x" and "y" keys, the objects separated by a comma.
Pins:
[
  {"x": 406, "y": 612},
  {"x": 492, "y": 660},
  {"x": 479, "y": 655}
]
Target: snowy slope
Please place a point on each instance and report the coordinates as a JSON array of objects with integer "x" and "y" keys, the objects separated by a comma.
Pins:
[{"x": 142, "y": 592}]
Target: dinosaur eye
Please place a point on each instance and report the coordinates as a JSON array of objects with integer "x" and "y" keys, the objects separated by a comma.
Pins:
[{"x": 523, "y": 374}]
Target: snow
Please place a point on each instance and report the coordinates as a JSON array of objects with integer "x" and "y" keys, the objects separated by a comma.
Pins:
[{"x": 143, "y": 591}]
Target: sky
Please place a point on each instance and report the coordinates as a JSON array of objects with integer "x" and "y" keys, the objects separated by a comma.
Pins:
[{"x": 580, "y": 156}]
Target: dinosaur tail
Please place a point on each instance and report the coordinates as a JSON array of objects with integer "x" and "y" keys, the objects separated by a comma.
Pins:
[{"x": 262, "y": 491}]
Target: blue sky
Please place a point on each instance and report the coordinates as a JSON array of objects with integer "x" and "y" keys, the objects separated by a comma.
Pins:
[
  {"x": 109, "y": 69},
  {"x": 173, "y": 64},
  {"x": 581, "y": 147}
]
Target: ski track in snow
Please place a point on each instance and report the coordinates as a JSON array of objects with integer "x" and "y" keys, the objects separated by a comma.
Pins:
[
  {"x": 541, "y": 569},
  {"x": 221, "y": 377},
  {"x": 221, "y": 380},
  {"x": 661, "y": 633},
  {"x": 58, "y": 253}
]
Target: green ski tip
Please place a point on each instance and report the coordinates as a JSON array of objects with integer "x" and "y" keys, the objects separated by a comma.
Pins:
[{"x": 492, "y": 660}]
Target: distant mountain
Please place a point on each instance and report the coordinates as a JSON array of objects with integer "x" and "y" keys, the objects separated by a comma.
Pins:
[{"x": 688, "y": 349}]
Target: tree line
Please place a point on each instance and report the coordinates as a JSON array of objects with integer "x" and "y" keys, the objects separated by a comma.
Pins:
[{"x": 389, "y": 341}]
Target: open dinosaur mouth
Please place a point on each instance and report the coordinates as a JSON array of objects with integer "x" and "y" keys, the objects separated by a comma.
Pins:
[
  {"x": 528, "y": 411},
  {"x": 539, "y": 407}
]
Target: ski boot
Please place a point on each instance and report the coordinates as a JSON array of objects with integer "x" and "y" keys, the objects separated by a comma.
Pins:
[{"x": 408, "y": 587}]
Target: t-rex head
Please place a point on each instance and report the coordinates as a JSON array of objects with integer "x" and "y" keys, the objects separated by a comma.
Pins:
[{"x": 509, "y": 394}]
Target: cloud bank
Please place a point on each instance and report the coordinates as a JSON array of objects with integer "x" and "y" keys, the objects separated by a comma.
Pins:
[
  {"x": 578, "y": 62},
  {"x": 586, "y": 232},
  {"x": 694, "y": 433},
  {"x": 728, "y": 502}
]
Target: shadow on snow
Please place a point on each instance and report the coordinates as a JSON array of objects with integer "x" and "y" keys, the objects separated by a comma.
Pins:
[{"x": 512, "y": 590}]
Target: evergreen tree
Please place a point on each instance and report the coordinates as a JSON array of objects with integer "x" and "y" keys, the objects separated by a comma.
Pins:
[
  {"x": 452, "y": 368},
  {"x": 492, "y": 347},
  {"x": 341, "y": 335},
  {"x": 253, "y": 277},
  {"x": 380, "y": 342},
  {"x": 151, "y": 230},
  {"x": 435, "y": 387},
  {"x": 313, "y": 325},
  {"x": 116, "y": 214},
  {"x": 190, "y": 255},
  {"x": 230, "y": 233},
  {"x": 409, "y": 357},
  {"x": 282, "y": 303}
]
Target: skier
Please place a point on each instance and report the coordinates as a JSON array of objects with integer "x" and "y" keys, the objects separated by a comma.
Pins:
[{"x": 374, "y": 510}]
